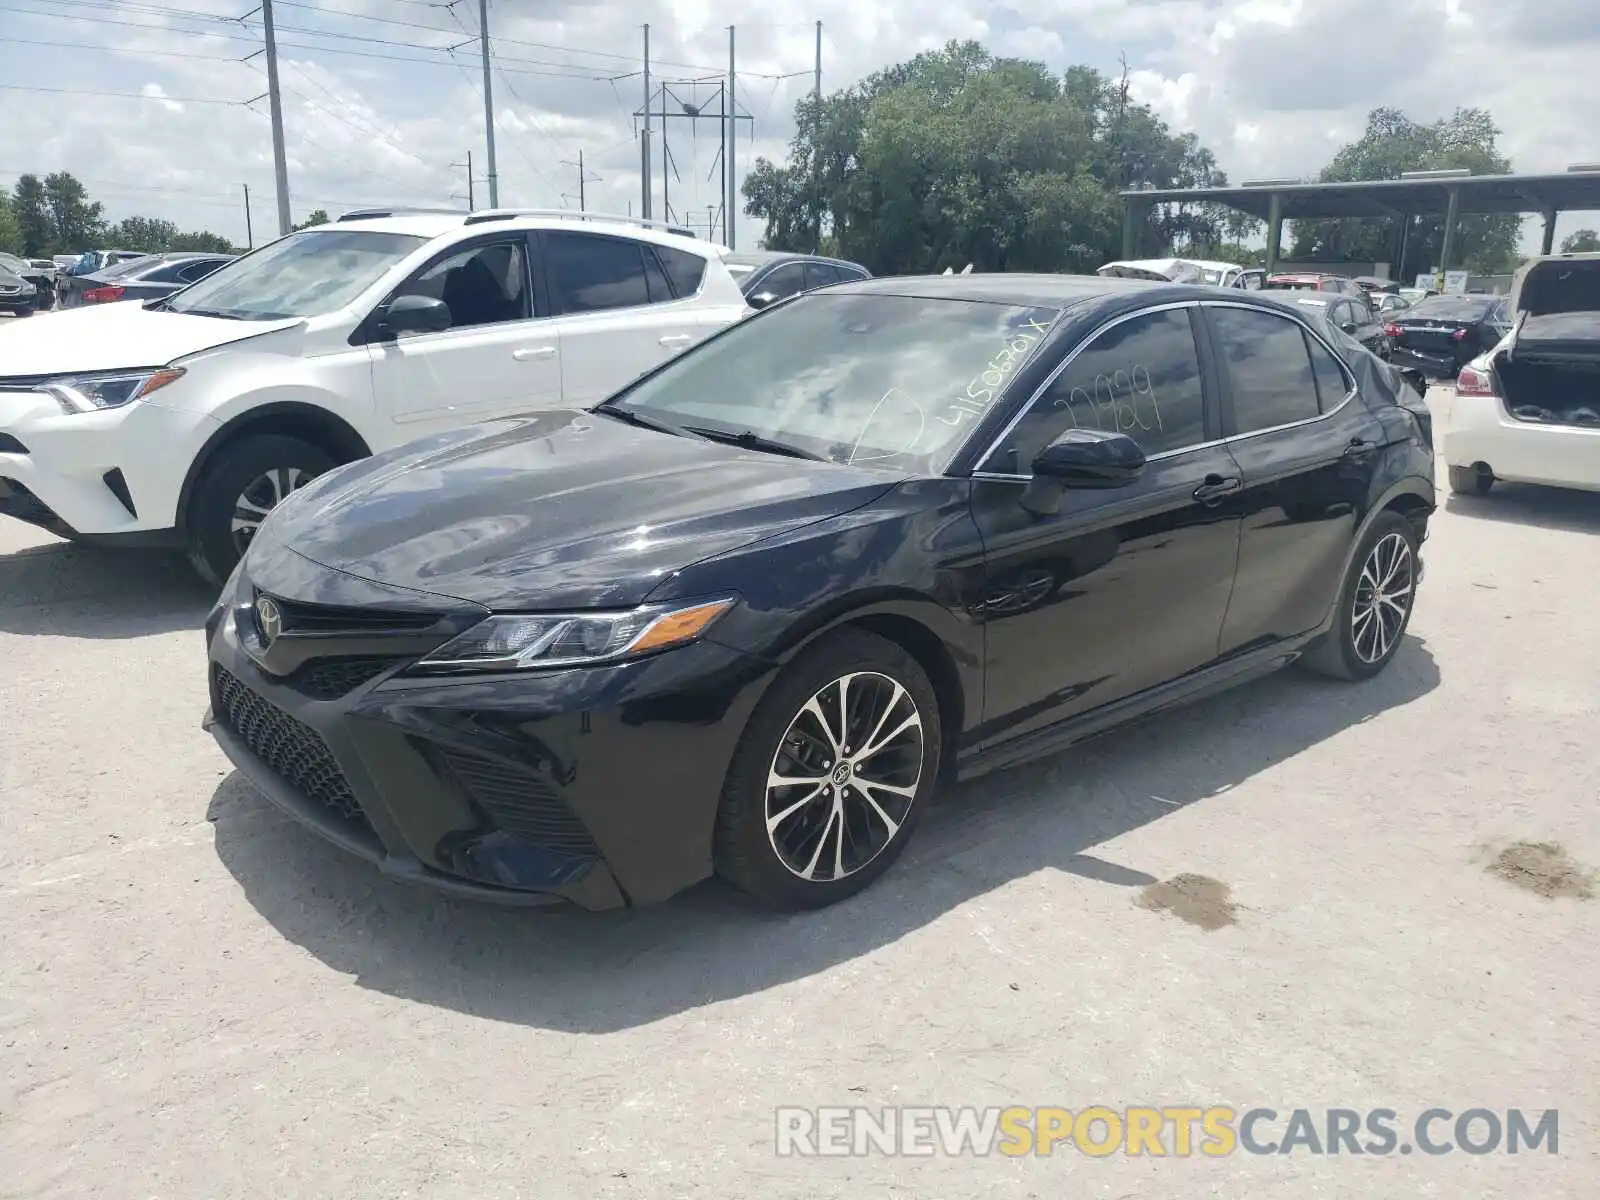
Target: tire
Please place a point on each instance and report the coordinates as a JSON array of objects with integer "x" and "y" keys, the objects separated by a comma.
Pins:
[
  {"x": 263, "y": 465},
  {"x": 1470, "y": 481},
  {"x": 1356, "y": 648},
  {"x": 886, "y": 687}
]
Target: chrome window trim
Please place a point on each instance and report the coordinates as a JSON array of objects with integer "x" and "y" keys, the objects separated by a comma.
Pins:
[
  {"x": 1055, "y": 374},
  {"x": 1349, "y": 376}
]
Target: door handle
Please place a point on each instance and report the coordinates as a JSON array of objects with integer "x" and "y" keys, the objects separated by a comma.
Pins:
[
  {"x": 677, "y": 339},
  {"x": 1359, "y": 448},
  {"x": 524, "y": 353},
  {"x": 1216, "y": 487}
]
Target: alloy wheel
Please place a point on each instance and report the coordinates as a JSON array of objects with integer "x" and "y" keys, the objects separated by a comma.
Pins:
[
  {"x": 259, "y": 497},
  {"x": 1383, "y": 598},
  {"x": 844, "y": 777}
]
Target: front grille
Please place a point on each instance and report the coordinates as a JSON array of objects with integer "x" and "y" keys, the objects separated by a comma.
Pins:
[
  {"x": 299, "y": 617},
  {"x": 331, "y": 678},
  {"x": 516, "y": 800},
  {"x": 294, "y": 752}
]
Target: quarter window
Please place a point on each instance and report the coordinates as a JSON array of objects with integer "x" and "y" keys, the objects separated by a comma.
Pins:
[
  {"x": 481, "y": 285},
  {"x": 1332, "y": 386},
  {"x": 820, "y": 275},
  {"x": 1140, "y": 377},
  {"x": 687, "y": 271},
  {"x": 590, "y": 272},
  {"x": 1268, "y": 368}
]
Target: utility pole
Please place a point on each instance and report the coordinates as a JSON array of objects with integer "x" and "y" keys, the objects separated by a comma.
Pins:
[
  {"x": 488, "y": 103},
  {"x": 730, "y": 202},
  {"x": 666, "y": 158},
  {"x": 816, "y": 137},
  {"x": 249, "y": 234},
  {"x": 583, "y": 177},
  {"x": 471, "y": 195},
  {"x": 280, "y": 162},
  {"x": 644, "y": 137}
]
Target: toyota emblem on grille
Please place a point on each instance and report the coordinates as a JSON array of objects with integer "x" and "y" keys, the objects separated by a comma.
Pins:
[{"x": 269, "y": 620}]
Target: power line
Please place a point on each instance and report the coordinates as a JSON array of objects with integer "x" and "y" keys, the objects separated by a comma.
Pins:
[{"x": 20, "y": 87}]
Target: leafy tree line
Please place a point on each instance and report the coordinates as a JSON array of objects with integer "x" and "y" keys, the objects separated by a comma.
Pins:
[
  {"x": 54, "y": 215},
  {"x": 959, "y": 156}
]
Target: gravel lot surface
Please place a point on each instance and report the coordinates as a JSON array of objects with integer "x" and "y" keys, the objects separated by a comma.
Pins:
[{"x": 1286, "y": 897}]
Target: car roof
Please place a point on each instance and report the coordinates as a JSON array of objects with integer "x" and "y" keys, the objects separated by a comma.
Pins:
[
  {"x": 431, "y": 225},
  {"x": 1032, "y": 290},
  {"x": 763, "y": 257}
]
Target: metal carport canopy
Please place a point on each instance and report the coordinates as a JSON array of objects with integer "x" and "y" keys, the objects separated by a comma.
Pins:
[{"x": 1542, "y": 194}]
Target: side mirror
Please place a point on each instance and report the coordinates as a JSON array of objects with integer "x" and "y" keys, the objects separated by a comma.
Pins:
[
  {"x": 1081, "y": 459},
  {"x": 761, "y": 300},
  {"x": 413, "y": 314},
  {"x": 1349, "y": 326}
]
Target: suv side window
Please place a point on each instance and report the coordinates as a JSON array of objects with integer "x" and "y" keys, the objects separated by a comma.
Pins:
[
  {"x": 1268, "y": 367},
  {"x": 820, "y": 275},
  {"x": 591, "y": 272},
  {"x": 785, "y": 281},
  {"x": 686, "y": 271},
  {"x": 484, "y": 284},
  {"x": 1141, "y": 377}
]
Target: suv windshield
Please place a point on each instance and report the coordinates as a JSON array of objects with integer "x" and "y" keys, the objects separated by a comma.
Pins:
[
  {"x": 304, "y": 274},
  {"x": 894, "y": 380}
]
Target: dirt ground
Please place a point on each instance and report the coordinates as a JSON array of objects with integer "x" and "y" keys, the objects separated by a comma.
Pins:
[{"x": 1302, "y": 894}]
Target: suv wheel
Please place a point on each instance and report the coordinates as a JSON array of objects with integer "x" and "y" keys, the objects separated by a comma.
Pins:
[
  {"x": 243, "y": 483},
  {"x": 1374, "y": 605},
  {"x": 832, "y": 772}
]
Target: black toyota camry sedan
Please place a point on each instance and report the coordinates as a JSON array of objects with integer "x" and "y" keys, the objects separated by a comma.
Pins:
[{"x": 743, "y": 617}]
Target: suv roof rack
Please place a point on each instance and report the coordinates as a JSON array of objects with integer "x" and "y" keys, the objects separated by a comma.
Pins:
[
  {"x": 506, "y": 214},
  {"x": 395, "y": 210}
]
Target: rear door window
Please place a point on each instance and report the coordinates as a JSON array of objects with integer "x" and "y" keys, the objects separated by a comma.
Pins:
[
  {"x": 1332, "y": 386},
  {"x": 784, "y": 281},
  {"x": 1267, "y": 367},
  {"x": 820, "y": 275},
  {"x": 591, "y": 272}
]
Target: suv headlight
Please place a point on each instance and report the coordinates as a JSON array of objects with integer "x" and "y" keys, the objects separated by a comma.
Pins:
[
  {"x": 536, "y": 641},
  {"x": 106, "y": 389}
]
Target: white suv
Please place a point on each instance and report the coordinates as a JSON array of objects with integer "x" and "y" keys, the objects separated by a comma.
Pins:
[{"x": 181, "y": 422}]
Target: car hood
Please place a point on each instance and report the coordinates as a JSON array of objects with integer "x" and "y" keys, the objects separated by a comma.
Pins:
[
  {"x": 110, "y": 337},
  {"x": 555, "y": 510}
]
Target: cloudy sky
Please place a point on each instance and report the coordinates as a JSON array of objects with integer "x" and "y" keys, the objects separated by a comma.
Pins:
[{"x": 379, "y": 108}]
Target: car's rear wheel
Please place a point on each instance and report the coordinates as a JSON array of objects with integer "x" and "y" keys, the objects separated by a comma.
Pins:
[
  {"x": 243, "y": 483},
  {"x": 831, "y": 774},
  {"x": 1471, "y": 481},
  {"x": 1374, "y": 605}
]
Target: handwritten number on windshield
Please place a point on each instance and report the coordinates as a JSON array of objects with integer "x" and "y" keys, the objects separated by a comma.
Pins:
[{"x": 982, "y": 389}]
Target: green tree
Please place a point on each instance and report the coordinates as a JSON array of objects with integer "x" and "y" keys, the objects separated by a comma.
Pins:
[
  {"x": 1392, "y": 144},
  {"x": 1582, "y": 241},
  {"x": 319, "y": 216},
  {"x": 78, "y": 223},
  {"x": 150, "y": 234},
  {"x": 203, "y": 240},
  {"x": 34, "y": 218},
  {"x": 957, "y": 156},
  {"x": 10, "y": 228}
]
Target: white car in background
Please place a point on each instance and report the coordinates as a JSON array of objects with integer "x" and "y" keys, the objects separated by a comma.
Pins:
[
  {"x": 1176, "y": 270},
  {"x": 181, "y": 422},
  {"x": 1528, "y": 410}
]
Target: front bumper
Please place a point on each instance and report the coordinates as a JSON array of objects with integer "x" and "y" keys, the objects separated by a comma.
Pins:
[
  {"x": 108, "y": 474},
  {"x": 594, "y": 787}
]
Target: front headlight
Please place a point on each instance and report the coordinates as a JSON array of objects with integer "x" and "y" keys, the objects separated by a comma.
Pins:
[
  {"x": 106, "y": 389},
  {"x": 518, "y": 643}
]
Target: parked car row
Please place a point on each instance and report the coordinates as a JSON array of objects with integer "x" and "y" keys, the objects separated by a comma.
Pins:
[{"x": 147, "y": 277}]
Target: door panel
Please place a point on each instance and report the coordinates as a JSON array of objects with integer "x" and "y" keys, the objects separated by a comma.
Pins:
[
  {"x": 1121, "y": 589},
  {"x": 1305, "y": 485},
  {"x": 1119, "y": 592}
]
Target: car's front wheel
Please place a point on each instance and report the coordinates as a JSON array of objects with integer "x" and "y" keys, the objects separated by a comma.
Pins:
[
  {"x": 244, "y": 482},
  {"x": 831, "y": 773},
  {"x": 1374, "y": 605}
]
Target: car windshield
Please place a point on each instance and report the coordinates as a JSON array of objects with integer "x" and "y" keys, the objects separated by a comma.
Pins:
[
  {"x": 1291, "y": 285},
  {"x": 1211, "y": 275},
  {"x": 896, "y": 381},
  {"x": 304, "y": 274},
  {"x": 1454, "y": 308}
]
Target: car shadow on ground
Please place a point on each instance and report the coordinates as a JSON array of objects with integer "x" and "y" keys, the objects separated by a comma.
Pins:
[
  {"x": 1560, "y": 509},
  {"x": 67, "y": 590},
  {"x": 592, "y": 973}
]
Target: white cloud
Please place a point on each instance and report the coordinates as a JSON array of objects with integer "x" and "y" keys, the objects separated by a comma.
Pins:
[{"x": 1273, "y": 87}]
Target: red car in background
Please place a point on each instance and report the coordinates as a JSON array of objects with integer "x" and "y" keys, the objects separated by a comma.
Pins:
[{"x": 1310, "y": 281}]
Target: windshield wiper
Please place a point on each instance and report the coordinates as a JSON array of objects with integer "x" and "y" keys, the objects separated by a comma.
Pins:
[
  {"x": 751, "y": 440},
  {"x": 639, "y": 419},
  {"x": 207, "y": 312}
]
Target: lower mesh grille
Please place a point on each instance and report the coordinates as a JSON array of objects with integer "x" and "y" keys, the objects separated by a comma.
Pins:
[
  {"x": 330, "y": 678},
  {"x": 517, "y": 800},
  {"x": 293, "y": 751}
]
